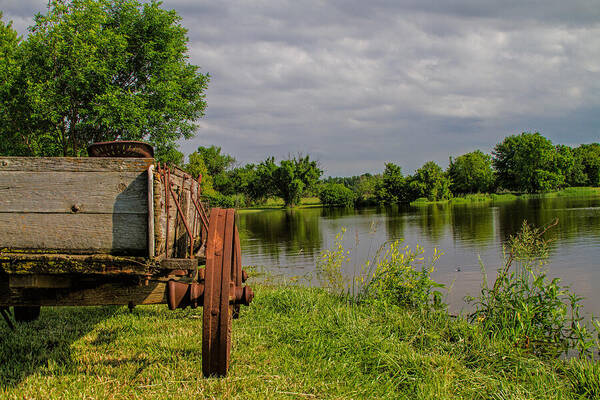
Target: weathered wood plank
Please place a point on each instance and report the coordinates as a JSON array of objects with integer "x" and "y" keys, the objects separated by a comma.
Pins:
[
  {"x": 104, "y": 264},
  {"x": 180, "y": 263},
  {"x": 40, "y": 281},
  {"x": 74, "y": 164},
  {"x": 106, "y": 294},
  {"x": 70, "y": 192},
  {"x": 85, "y": 233}
]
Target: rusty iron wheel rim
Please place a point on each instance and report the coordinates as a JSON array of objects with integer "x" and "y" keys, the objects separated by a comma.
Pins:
[
  {"x": 219, "y": 280},
  {"x": 121, "y": 148}
]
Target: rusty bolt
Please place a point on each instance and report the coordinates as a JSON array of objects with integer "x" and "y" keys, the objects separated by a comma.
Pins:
[{"x": 75, "y": 208}]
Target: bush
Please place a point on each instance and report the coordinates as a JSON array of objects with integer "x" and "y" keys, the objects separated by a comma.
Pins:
[
  {"x": 526, "y": 307},
  {"x": 336, "y": 194},
  {"x": 398, "y": 281},
  {"x": 329, "y": 266}
]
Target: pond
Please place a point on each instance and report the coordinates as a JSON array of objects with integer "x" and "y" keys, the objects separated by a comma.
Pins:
[{"x": 289, "y": 242}]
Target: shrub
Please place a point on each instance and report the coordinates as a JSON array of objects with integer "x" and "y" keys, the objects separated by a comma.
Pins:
[
  {"x": 336, "y": 194},
  {"x": 397, "y": 280},
  {"x": 329, "y": 266},
  {"x": 528, "y": 308},
  {"x": 217, "y": 199}
]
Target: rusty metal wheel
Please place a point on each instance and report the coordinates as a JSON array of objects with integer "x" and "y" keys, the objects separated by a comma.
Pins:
[
  {"x": 121, "y": 148},
  {"x": 219, "y": 280}
]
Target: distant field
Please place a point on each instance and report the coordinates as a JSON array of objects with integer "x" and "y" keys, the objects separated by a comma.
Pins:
[
  {"x": 278, "y": 203},
  {"x": 486, "y": 197}
]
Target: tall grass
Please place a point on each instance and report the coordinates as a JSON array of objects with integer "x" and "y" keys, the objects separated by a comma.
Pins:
[
  {"x": 401, "y": 276},
  {"x": 524, "y": 305},
  {"x": 527, "y": 307}
]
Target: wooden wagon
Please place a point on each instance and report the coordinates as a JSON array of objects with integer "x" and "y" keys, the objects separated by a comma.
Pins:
[{"x": 118, "y": 231}]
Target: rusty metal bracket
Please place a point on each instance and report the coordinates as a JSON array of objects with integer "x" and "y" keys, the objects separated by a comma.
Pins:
[
  {"x": 187, "y": 228},
  {"x": 200, "y": 210}
]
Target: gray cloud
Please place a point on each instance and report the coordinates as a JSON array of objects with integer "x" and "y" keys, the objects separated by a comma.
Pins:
[{"x": 357, "y": 83}]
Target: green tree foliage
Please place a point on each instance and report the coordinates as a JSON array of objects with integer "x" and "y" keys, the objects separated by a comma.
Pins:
[
  {"x": 218, "y": 164},
  {"x": 336, "y": 194},
  {"x": 197, "y": 168},
  {"x": 586, "y": 169},
  {"x": 529, "y": 162},
  {"x": 365, "y": 189},
  {"x": 431, "y": 182},
  {"x": 363, "y": 186},
  {"x": 95, "y": 70},
  {"x": 391, "y": 189},
  {"x": 262, "y": 187},
  {"x": 240, "y": 179},
  {"x": 291, "y": 178},
  {"x": 471, "y": 173},
  {"x": 217, "y": 167},
  {"x": 12, "y": 141}
]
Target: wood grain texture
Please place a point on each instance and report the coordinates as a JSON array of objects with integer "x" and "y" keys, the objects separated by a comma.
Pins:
[
  {"x": 178, "y": 240},
  {"x": 85, "y": 233},
  {"x": 105, "y": 294},
  {"x": 61, "y": 264},
  {"x": 59, "y": 192},
  {"x": 41, "y": 281},
  {"x": 75, "y": 164}
]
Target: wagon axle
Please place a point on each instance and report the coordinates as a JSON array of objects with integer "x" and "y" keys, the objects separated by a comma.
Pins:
[{"x": 181, "y": 295}]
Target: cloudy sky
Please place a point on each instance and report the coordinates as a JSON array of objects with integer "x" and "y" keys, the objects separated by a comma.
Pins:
[{"x": 356, "y": 84}]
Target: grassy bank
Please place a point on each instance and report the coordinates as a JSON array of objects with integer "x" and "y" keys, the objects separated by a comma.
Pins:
[
  {"x": 503, "y": 197},
  {"x": 278, "y": 203},
  {"x": 292, "y": 342}
]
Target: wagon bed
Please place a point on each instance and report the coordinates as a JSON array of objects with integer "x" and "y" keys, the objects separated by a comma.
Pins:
[{"x": 114, "y": 230}]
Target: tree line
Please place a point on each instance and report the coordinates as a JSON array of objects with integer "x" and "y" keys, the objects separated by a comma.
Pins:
[
  {"x": 525, "y": 163},
  {"x": 228, "y": 185}
]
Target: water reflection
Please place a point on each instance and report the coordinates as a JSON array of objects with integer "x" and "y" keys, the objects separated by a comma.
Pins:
[
  {"x": 473, "y": 224},
  {"x": 291, "y": 240}
]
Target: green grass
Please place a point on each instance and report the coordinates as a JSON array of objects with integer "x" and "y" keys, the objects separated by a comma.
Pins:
[
  {"x": 421, "y": 201},
  {"x": 291, "y": 343},
  {"x": 504, "y": 197},
  {"x": 277, "y": 202},
  {"x": 472, "y": 198}
]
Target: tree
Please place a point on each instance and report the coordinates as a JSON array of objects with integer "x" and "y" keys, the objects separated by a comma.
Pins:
[
  {"x": 336, "y": 194},
  {"x": 391, "y": 188},
  {"x": 431, "y": 182},
  {"x": 217, "y": 164},
  {"x": 471, "y": 173},
  {"x": 529, "y": 162},
  {"x": 290, "y": 179},
  {"x": 97, "y": 70},
  {"x": 12, "y": 142},
  {"x": 586, "y": 169},
  {"x": 197, "y": 168},
  {"x": 365, "y": 188}
]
